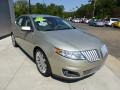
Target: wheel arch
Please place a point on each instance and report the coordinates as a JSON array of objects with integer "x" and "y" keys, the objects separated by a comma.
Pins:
[
  {"x": 34, "y": 51},
  {"x": 36, "y": 48}
]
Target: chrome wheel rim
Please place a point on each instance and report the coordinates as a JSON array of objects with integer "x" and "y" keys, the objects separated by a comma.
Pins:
[
  {"x": 13, "y": 40},
  {"x": 40, "y": 60}
]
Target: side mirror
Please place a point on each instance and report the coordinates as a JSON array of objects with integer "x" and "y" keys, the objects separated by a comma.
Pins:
[{"x": 26, "y": 28}]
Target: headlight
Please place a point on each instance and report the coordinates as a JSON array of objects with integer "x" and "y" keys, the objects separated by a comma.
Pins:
[
  {"x": 104, "y": 50},
  {"x": 70, "y": 54}
]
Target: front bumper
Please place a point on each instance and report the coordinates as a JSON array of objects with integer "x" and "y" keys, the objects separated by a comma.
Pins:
[{"x": 74, "y": 69}]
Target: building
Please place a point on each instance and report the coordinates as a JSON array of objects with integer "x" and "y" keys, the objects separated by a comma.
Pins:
[{"x": 7, "y": 17}]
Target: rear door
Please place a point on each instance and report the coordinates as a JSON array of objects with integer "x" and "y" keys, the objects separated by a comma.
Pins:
[{"x": 17, "y": 32}]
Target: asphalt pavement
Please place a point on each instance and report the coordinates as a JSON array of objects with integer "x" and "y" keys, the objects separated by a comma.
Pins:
[
  {"x": 18, "y": 72},
  {"x": 110, "y": 35}
]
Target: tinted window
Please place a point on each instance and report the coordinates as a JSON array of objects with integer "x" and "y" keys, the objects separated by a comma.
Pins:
[
  {"x": 19, "y": 21},
  {"x": 24, "y": 22},
  {"x": 115, "y": 19},
  {"x": 28, "y": 22}
]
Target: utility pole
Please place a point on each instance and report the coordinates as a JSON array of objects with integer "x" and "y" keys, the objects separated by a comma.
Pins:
[
  {"x": 29, "y": 6},
  {"x": 94, "y": 8},
  {"x": 45, "y": 11}
]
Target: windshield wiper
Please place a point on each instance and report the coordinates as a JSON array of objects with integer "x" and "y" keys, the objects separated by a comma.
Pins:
[
  {"x": 58, "y": 29},
  {"x": 65, "y": 28}
]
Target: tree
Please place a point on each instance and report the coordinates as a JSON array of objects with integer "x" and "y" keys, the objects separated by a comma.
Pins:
[
  {"x": 39, "y": 8},
  {"x": 56, "y": 10},
  {"x": 85, "y": 10},
  {"x": 21, "y": 7},
  {"x": 118, "y": 3},
  {"x": 91, "y": 1},
  {"x": 103, "y": 8}
]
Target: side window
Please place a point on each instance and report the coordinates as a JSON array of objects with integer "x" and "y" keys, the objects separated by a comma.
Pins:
[
  {"x": 23, "y": 21},
  {"x": 19, "y": 21},
  {"x": 28, "y": 22}
]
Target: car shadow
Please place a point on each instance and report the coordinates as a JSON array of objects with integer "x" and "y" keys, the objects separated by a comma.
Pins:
[{"x": 69, "y": 80}]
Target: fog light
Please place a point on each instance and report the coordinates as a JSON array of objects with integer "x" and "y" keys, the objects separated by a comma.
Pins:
[{"x": 70, "y": 73}]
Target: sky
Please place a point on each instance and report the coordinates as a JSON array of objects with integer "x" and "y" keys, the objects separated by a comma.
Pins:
[{"x": 69, "y": 5}]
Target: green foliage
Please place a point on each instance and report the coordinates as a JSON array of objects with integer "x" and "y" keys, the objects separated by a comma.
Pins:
[
  {"x": 39, "y": 8},
  {"x": 85, "y": 10},
  {"x": 103, "y": 8},
  {"x": 22, "y": 7},
  {"x": 68, "y": 14},
  {"x": 57, "y": 10}
]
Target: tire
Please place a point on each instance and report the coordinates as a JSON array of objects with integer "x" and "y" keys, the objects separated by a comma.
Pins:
[
  {"x": 112, "y": 26},
  {"x": 94, "y": 25},
  {"x": 42, "y": 63},
  {"x": 14, "y": 41}
]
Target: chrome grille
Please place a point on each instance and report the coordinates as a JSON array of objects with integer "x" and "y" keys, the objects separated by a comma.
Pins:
[{"x": 91, "y": 55}]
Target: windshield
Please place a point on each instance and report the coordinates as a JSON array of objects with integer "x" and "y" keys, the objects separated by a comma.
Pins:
[{"x": 51, "y": 24}]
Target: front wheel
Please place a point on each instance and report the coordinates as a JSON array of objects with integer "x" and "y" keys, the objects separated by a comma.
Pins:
[
  {"x": 13, "y": 40},
  {"x": 42, "y": 63}
]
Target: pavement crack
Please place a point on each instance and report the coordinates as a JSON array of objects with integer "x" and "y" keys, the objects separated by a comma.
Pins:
[
  {"x": 69, "y": 86},
  {"x": 5, "y": 88},
  {"x": 112, "y": 71}
]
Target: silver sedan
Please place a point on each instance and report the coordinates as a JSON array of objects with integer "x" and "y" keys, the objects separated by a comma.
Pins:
[{"x": 57, "y": 47}]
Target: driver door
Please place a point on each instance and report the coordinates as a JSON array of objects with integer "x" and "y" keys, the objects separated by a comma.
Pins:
[{"x": 28, "y": 37}]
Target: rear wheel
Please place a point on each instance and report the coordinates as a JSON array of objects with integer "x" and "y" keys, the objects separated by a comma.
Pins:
[
  {"x": 42, "y": 63},
  {"x": 13, "y": 40}
]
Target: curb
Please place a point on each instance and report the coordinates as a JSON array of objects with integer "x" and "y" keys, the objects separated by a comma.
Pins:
[{"x": 113, "y": 64}]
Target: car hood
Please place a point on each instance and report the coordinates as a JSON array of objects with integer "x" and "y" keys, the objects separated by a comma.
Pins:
[{"x": 73, "y": 40}]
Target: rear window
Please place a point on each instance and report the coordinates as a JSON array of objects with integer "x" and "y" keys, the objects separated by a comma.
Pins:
[{"x": 115, "y": 19}]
